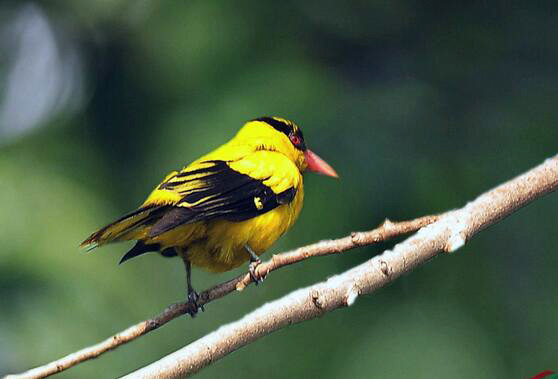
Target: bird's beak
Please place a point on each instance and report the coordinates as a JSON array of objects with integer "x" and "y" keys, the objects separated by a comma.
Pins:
[{"x": 317, "y": 164}]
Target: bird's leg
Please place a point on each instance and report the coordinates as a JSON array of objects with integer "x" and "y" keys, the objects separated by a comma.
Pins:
[
  {"x": 254, "y": 262},
  {"x": 193, "y": 296}
]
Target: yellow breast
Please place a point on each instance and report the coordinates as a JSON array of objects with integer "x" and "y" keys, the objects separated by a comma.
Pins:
[{"x": 223, "y": 249}]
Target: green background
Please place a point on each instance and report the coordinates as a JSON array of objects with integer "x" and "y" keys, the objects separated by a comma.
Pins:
[{"x": 420, "y": 106}]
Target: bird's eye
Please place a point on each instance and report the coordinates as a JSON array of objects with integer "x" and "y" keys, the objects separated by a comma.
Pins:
[{"x": 295, "y": 140}]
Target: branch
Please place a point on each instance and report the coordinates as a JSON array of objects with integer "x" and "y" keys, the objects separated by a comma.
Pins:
[
  {"x": 386, "y": 231},
  {"x": 447, "y": 234}
]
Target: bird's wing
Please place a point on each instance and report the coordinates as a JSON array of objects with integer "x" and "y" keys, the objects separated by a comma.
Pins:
[{"x": 231, "y": 190}]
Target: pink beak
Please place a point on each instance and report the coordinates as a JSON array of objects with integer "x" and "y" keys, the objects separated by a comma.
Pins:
[{"x": 317, "y": 164}]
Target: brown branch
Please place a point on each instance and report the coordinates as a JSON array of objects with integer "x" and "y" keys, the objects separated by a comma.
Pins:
[
  {"x": 384, "y": 232},
  {"x": 447, "y": 234}
]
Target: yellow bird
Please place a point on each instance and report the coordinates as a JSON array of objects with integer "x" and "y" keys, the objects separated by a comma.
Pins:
[{"x": 227, "y": 207}]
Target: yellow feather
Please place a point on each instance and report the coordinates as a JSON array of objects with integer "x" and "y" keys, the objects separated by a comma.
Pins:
[{"x": 260, "y": 151}]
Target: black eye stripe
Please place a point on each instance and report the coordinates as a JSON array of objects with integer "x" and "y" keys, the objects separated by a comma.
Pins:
[
  {"x": 285, "y": 128},
  {"x": 278, "y": 125}
]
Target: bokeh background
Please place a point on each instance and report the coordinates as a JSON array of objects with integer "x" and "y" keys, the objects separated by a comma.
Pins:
[{"x": 420, "y": 106}]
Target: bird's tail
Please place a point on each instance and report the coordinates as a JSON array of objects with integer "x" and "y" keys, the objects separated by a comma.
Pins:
[{"x": 126, "y": 228}]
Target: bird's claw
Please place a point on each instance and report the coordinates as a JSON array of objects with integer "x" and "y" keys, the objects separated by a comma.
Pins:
[
  {"x": 252, "y": 269},
  {"x": 193, "y": 298}
]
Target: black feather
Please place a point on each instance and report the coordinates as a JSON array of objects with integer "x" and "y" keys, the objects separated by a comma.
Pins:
[
  {"x": 281, "y": 126},
  {"x": 169, "y": 253},
  {"x": 288, "y": 128},
  {"x": 173, "y": 218},
  {"x": 224, "y": 194},
  {"x": 138, "y": 249}
]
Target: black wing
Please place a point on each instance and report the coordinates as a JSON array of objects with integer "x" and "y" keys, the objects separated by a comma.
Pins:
[{"x": 218, "y": 192}]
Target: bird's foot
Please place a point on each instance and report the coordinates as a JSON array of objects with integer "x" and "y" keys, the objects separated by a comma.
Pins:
[
  {"x": 257, "y": 278},
  {"x": 193, "y": 305}
]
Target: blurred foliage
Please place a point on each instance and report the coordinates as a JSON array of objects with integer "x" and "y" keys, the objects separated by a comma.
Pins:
[{"x": 420, "y": 106}]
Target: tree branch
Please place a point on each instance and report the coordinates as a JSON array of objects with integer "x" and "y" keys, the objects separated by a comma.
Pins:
[
  {"x": 386, "y": 231},
  {"x": 447, "y": 234}
]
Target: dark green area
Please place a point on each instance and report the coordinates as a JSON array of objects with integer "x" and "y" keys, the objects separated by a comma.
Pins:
[{"x": 419, "y": 106}]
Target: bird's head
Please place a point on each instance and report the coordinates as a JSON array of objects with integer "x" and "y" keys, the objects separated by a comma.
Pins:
[{"x": 284, "y": 136}]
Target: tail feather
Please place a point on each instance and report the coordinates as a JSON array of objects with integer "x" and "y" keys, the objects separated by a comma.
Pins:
[
  {"x": 171, "y": 219},
  {"x": 138, "y": 249},
  {"x": 122, "y": 228}
]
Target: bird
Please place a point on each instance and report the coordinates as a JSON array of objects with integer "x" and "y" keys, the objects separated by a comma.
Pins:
[{"x": 225, "y": 208}]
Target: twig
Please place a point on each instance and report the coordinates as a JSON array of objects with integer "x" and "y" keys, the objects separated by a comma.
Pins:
[
  {"x": 447, "y": 234},
  {"x": 384, "y": 232}
]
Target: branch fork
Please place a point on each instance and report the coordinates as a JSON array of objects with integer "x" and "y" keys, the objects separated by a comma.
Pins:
[{"x": 436, "y": 234}]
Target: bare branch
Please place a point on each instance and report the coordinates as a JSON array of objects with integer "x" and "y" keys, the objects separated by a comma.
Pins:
[
  {"x": 447, "y": 234},
  {"x": 384, "y": 232}
]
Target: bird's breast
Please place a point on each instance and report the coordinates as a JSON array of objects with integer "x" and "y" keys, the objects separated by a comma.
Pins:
[{"x": 223, "y": 247}]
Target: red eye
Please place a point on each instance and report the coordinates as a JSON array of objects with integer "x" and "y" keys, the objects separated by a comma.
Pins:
[{"x": 296, "y": 140}]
